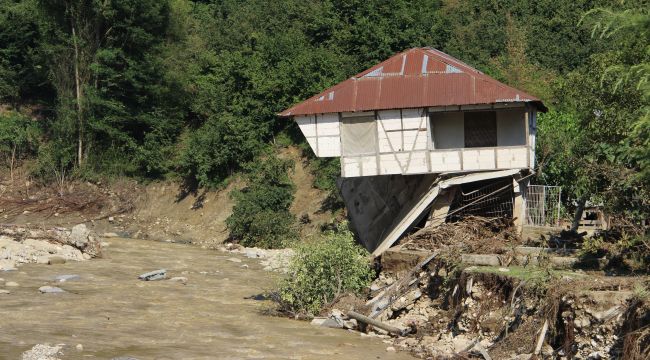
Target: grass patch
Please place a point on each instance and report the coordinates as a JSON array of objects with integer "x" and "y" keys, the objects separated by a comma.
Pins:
[{"x": 529, "y": 274}]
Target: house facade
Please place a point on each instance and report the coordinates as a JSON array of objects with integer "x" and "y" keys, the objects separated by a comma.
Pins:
[{"x": 420, "y": 113}]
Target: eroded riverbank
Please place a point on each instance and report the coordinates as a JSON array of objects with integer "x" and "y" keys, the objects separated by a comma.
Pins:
[{"x": 111, "y": 313}]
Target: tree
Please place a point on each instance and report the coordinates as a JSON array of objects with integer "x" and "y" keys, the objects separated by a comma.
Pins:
[{"x": 18, "y": 136}]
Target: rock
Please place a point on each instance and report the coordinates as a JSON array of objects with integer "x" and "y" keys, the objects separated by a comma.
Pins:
[
  {"x": 111, "y": 219},
  {"x": 153, "y": 275},
  {"x": 110, "y": 235},
  {"x": 4, "y": 292},
  {"x": 390, "y": 349},
  {"x": 181, "y": 279},
  {"x": 594, "y": 356},
  {"x": 11, "y": 284},
  {"x": 79, "y": 347},
  {"x": 547, "y": 351},
  {"x": 235, "y": 260},
  {"x": 42, "y": 352},
  {"x": 50, "y": 290},
  {"x": 502, "y": 269},
  {"x": 7, "y": 265},
  {"x": 85, "y": 240},
  {"x": 350, "y": 324},
  {"x": 523, "y": 357},
  {"x": 56, "y": 260},
  {"x": 326, "y": 322},
  {"x": 581, "y": 322},
  {"x": 79, "y": 236},
  {"x": 460, "y": 343},
  {"x": 64, "y": 278}
]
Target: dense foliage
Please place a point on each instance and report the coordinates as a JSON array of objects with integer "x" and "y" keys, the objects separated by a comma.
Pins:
[
  {"x": 322, "y": 270},
  {"x": 190, "y": 89}
]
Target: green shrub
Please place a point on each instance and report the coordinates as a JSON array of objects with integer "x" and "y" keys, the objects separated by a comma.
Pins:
[
  {"x": 324, "y": 269},
  {"x": 261, "y": 214}
]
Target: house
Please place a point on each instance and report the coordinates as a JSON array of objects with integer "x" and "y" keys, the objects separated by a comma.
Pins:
[{"x": 415, "y": 134}]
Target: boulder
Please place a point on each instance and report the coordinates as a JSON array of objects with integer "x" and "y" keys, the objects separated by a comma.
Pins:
[{"x": 85, "y": 240}]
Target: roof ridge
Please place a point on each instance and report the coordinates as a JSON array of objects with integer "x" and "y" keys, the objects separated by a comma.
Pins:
[{"x": 409, "y": 79}]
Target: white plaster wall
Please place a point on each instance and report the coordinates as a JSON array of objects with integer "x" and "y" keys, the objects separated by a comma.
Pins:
[{"x": 322, "y": 133}]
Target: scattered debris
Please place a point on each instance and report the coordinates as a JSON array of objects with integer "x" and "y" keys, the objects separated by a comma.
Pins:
[
  {"x": 474, "y": 234},
  {"x": 154, "y": 275}
]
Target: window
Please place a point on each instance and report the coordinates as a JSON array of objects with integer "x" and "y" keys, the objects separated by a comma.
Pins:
[
  {"x": 480, "y": 129},
  {"x": 359, "y": 135}
]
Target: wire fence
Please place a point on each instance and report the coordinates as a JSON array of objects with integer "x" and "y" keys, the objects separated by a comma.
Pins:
[
  {"x": 543, "y": 205},
  {"x": 487, "y": 199}
]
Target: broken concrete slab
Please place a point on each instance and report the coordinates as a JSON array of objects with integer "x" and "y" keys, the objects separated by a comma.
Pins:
[{"x": 154, "y": 275}]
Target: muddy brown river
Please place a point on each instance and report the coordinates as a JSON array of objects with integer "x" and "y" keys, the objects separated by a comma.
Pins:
[{"x": 113, "y": 314}]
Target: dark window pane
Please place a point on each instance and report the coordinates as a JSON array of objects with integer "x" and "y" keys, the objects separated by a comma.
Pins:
[{"x": 480, "y": 129}]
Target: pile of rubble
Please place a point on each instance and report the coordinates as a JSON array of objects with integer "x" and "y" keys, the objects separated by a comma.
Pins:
[
  {"x": 19, "y": 245},
  {"x": 433, "y": 313}
]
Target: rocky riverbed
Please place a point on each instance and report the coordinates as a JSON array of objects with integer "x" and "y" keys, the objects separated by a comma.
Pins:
[{"x": 207, "y": 308}]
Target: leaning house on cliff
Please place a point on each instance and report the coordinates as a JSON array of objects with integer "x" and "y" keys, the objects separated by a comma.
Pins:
[{"x": 423, "y": 138}]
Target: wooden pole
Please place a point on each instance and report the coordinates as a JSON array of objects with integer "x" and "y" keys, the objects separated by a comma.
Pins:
[{"x": 378, "y": 324}]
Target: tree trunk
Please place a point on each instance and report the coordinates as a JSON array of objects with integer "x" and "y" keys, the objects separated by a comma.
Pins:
[
  {"x": 79, "y": 95},
  {"x": 12, "y": 165},
  {"x": 578, "y": 215}
]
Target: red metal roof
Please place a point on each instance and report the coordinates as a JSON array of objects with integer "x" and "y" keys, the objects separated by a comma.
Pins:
[{"x": 419, "y": 77}]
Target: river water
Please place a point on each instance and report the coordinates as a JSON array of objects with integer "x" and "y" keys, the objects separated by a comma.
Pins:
[{"x": 111, "y": 313}]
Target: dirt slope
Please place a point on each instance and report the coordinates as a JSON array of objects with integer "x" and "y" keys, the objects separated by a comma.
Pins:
[{"x": 154, "y": 211}]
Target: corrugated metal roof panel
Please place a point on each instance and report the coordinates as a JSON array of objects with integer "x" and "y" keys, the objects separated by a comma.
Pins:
[{"x": 420, "y": 77}]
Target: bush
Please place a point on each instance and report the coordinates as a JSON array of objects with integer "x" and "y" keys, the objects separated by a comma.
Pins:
[
  {"x": 322, "y": 270},
  {"x": 261, "y": 214}
]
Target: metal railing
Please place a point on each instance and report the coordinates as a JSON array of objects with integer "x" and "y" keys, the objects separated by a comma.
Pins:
[{"x": 543, "y": 205}]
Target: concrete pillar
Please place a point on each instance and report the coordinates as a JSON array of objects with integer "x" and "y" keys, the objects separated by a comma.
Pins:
[{"x": 519, "y": 205}]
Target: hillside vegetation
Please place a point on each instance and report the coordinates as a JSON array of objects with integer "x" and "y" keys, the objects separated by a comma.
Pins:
[{"x": 189, "y": 90}]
